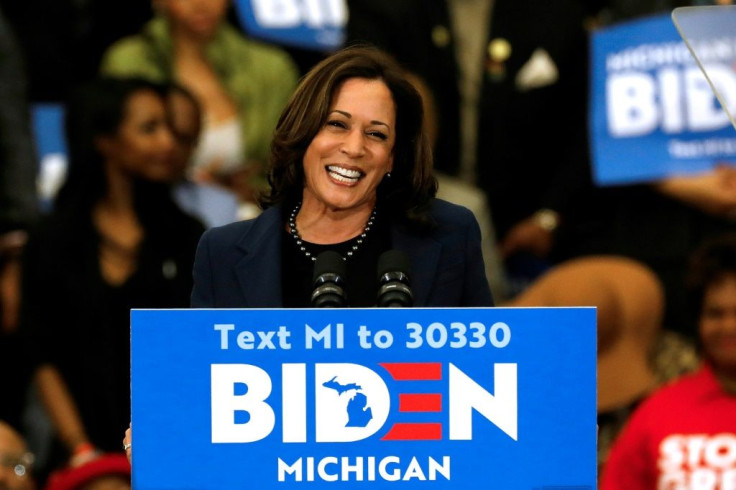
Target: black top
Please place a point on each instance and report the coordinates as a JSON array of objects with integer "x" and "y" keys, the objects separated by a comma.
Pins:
[
  {"x": 519, "y": 173},
  {"x": 79, "y": 323},
  {"x": 235, "y": 263},
  {"x": 361, "y": 284}
]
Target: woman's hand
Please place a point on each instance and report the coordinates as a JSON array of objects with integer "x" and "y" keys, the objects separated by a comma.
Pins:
[
  {"x": 128, "y": 443},
  {"x": 534, "y": 234},
  {"x": 713, "y": 192},
  {"x": 84, "y": 453}
]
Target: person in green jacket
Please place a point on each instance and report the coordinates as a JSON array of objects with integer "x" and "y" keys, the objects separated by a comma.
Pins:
[{"x": 241, "y": 84}]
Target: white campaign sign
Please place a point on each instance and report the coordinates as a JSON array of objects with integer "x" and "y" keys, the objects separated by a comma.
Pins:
[
  {"x": 673, "y": 100},
  {"x": 280, "y": 14}
]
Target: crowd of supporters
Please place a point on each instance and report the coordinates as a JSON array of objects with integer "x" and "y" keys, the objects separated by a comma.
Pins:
[{"x": 169, "y": 110}]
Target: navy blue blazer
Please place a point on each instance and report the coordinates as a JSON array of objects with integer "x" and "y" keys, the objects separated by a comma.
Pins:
[{"x": 239, "y": 265}]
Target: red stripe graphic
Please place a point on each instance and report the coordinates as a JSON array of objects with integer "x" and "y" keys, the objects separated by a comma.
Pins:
[
  {"x": 414, "y": 371},
  {"x": 420, "y": 402},
  {"x": 414, "y": 432}
]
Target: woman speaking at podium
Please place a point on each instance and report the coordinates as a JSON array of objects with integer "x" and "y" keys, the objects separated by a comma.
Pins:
[{"x": 350, "y": 171}]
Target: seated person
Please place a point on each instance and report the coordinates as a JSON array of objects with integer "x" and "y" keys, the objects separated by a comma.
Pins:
[
  {"x": 242, "y": 85},
  {"x": 684, "y": 435}
]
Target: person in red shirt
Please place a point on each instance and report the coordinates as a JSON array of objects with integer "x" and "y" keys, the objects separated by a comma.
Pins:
[{"x": 683, "y": 437}]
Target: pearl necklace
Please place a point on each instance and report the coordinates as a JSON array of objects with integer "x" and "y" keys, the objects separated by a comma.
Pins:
[{"x": 300, "y": 243}]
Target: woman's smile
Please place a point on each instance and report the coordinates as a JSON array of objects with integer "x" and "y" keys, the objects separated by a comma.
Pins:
[
  {"x": 352, "y": 153},
  {"x": 343, "y": 175}
]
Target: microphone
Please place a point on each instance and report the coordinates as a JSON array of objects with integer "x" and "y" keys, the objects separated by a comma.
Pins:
[
  {"x": 328, "y": 280},
  {"x": 393, "y": 280}
]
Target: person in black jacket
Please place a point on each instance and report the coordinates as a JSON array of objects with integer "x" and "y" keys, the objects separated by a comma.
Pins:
[
  {"x": 114, "y": 241},
  {"x": 521, "y": 66},
  {"x": 350, "y": 172}
]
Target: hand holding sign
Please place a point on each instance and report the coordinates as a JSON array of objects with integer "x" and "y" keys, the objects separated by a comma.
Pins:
[
  {"x": 128, "y": 443},
  {"x": 713, "y": 192},
  {"x": 654, "y": 112},
  {"x": 531, "y": 234}
]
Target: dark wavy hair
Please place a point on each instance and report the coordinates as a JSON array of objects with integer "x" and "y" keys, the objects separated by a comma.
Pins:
[
  {"x": 95, "y": 109},
  {"x": 412, "y": 183},
  {"x": 714, "y": 260}
]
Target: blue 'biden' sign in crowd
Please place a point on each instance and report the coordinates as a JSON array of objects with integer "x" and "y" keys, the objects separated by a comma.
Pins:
[
  {"x": 308, "y": 24},
  {"x": 653, "y": 112}
]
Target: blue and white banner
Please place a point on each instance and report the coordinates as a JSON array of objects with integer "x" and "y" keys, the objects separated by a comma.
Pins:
[
  {"x": 49, "y": 135},
  {"x": 371, "y": 398},
  {"x": 309, "y": 24},
  {"x": 653, "y": 112},
  {"x": 48, "y": 129}
]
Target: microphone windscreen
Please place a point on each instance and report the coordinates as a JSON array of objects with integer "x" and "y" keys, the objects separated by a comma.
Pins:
[
  {"x": 393, "y": 261},
  {"x": 329, "y": 262}
]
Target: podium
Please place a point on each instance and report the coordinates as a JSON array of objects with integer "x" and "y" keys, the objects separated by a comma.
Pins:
[{"x": 433, "y": 398}]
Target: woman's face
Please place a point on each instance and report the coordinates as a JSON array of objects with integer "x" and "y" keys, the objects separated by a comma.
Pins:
[
  {"x": 718, "y": 323},
  {"x": 185, "y": 124},
  {"x": 143, "y": 144},
  {"x": 353, "y": 151},
  {"x": 198, "y": 18}
]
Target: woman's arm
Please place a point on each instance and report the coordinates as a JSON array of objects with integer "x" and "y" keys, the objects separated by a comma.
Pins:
[
  {"x": 62, "y": 411},
  {"x": 713, "y": 192},
  {"x": 128, "y": 443}
]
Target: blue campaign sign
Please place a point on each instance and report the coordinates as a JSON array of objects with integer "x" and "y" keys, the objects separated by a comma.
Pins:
[
  {"x": 48, "y": 129},
  {"x": 309, "y": 24},
  {"x": 368, "y": 398},
  {"x": 653, "y": 112},
  {"x": 48, "y": 132}
]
